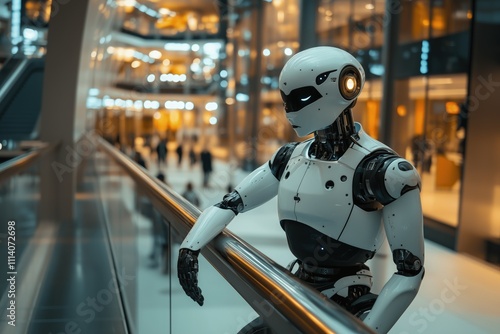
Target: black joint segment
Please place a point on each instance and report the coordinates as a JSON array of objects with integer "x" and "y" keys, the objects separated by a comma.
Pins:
[
  {"x": 407, "y": 263},
  {"x": 405, "y": 166},
  {"x": 407, "y": 188},
  {"x": 281, "y": 159},
  {"x": 232, "y": 201},
  {"x": 369, "y": 179}
]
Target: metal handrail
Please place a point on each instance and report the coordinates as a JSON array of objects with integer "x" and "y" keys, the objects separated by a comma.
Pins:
[
  {"x": 21, "y": 162},
  {"x": 13, "y": 77},
  {"x": 287, "y": 305}
]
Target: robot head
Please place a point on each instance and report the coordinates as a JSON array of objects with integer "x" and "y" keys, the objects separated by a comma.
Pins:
[{"x": 317, "y": 84}]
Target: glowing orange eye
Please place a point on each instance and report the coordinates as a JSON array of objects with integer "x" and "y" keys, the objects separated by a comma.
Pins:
[{"x": 350, "y": 82}]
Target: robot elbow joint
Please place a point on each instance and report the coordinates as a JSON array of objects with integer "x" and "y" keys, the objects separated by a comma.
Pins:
[
  {"x": 232, "y": 201},
  {"x": 407, "y": 263}
]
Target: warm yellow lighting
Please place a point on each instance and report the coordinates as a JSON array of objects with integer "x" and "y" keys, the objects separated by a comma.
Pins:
[
  {"x": 128, "y": 54},
  {"x": 155, "y": 54},
  {"x": 469, "y": 14},
  {"x": 401, "y": 110},
  {"x": 369, "y": 6},
  {"x": 278, "y": 3},
  {"x": 135, "y": 64},
  {"x": 166, "y": 62},
  {"x": 280, "y": 16},
  {"x": 126, "y": 3},
  {"x": 229, "y": 101},
  {"x": 174, "y": 22},
  {"x": 166, "y": 12},
  {"x": 425, "y": 22},
  {"x": 452, "y": 108},
  {"x": 206, "y": 117},
  {"x": 175, "y": 119},
  {"x": 192, "y": 21},
  {"x": 157, "y": 115}
]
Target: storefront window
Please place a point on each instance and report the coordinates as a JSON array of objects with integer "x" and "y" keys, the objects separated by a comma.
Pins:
[
  {"x": 442, "y": 159},
  {"x": 429, "y": 93}
]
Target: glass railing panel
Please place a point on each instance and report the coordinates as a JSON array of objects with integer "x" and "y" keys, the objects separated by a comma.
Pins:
[
  {"x": 146, "y": 247},
  {"x": 132, "y": 221},
  {"x": 19, "y": 197},
  {"x": 223, "y": 311}
]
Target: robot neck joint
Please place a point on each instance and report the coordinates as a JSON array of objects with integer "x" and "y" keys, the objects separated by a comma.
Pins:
[{"x": 333, "y": 141}]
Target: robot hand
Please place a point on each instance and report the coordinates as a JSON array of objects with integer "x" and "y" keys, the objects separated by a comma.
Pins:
[{"x": 187, "y": 271}]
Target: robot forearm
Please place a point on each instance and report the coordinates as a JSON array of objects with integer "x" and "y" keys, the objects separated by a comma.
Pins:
[
  {"x": 210, "y": 223},
  {"x": 393, "y": 300}
]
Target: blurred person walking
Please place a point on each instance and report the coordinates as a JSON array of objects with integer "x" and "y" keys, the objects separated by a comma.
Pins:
[
  {"x": 192, "y": 156},
  {"x": 140, "y": 160},
  {"x": 160, "y": 237},
  {"x": 206, "y": 164},
  {"x": 179, "y": 152},
  {"x": 161, "y": 152},
  {"x": 191, "y": 195}
]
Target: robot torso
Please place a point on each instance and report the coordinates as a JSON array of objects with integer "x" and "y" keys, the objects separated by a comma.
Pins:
[{"x": 317, "y": 210}]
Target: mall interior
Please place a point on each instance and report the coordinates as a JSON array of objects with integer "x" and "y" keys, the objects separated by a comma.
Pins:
[{"x": 106, "y": 107}]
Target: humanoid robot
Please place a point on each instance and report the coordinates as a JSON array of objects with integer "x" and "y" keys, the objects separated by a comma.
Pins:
[{"x": 340, "y": 194}]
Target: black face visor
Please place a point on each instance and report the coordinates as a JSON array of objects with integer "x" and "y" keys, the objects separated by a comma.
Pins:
[{"x": 299, "y": 98}]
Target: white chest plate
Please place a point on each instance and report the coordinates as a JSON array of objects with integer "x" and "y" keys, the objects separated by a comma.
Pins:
[{"x": 319, "y": 194}]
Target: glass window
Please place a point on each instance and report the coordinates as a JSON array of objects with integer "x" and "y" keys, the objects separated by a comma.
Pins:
[
  {"x": 428, "y": 131},
  {"x": 334, "y": 19},
  {"x": 450, "y": 16},
  {"x": 414, "y": 21}
]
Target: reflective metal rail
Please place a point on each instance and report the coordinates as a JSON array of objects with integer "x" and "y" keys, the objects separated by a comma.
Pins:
[
  {"x": 17, "y": 164},
  {"x": 286, "y": 304}
]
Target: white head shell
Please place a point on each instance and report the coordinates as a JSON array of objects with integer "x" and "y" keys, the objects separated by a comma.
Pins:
[{"x": 317, "y": 84}]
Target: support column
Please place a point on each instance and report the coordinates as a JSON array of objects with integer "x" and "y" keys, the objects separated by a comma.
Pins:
[
  {"x": 393, "y": 9},
  {"x": 307, "y": 29},
  {"x": 255, "y": 86},
  {"x": 58, "y": 114}
]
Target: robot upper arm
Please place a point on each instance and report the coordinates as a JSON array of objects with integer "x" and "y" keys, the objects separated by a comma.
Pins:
[
  {"x": 387, "y": 177},
  {"x": 261, "y": 185}
]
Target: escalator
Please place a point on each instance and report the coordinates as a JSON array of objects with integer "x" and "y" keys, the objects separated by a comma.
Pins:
[{"x": 21, "y": 82}]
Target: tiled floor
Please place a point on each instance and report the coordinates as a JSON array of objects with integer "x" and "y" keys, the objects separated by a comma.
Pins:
[{"x": 459, "y": 294}]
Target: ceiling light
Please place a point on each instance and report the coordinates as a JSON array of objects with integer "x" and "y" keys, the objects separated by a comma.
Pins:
[{"x": 155, "y": 54}]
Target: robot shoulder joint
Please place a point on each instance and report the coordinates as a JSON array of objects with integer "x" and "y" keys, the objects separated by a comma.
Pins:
[
  {"x": 280, "y": 159},
  {"x": 384, "y": 176}
]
